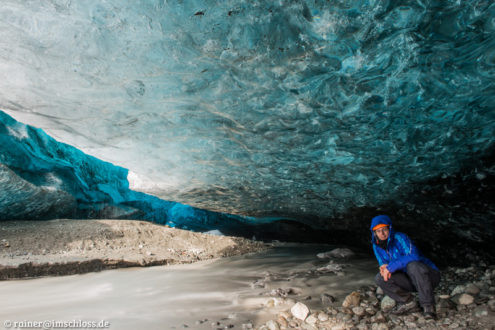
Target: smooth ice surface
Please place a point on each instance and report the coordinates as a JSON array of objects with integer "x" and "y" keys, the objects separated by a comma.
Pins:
[
  {"x": 258, "y": 107},
  {"x": 169, "y": 297}
]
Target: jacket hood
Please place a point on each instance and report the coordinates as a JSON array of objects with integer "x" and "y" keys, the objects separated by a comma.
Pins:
[{"x": 380, "y": 219}]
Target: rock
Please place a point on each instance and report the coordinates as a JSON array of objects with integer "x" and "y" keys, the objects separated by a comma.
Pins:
[
  {"x": 446, "y": 322},
  {"x": 339, "y": 326},
  {"x": 410, "y": 325},
  {"x": 463, "y": 299},
  {"x": 336, "y": 253},
  {"x": 258, "y": 284},
  {"x": 270, "y": 303},
  {"x": 387, "y": 304},
  {"x": 395, "y": 319},
  {"x": 284, "y": 292},
  {"x": 353, "y": 299},
  {"x": 370, "y": 310},
  {"x": 332, "y": 310},
  {"x": 444, "y": 305},
  {"x": 491, "y": 305},
  {"x": 289, "y": 301},
  {"x": 481, "y": 311},
  {"x": 300, "y": 311},
  {"x": 409, "y": 318},
  {"x": 282, "y": 321},
  {"x": 379, "y": 326},
  {"x": 327, "y": 299},
  {"x": 359, "y": 311},
  {"x": 307, "y": 326},
  {"x": 272, "y": 325},
  {"x": 362, "y": 326},
  {"x": 379, "y": 291},
  {"x": 379, "y": 317},
  {"x": 285, "y": 315},
  {"x": 247, "y": 326},
  {"x": 472, "y": 289},
  {"x": 293, "y": 324},
  {"x": 312, "y": 319},
  {"x": 322, "y": 317},
  {"x": 458, "y": 290},
  {"x": 331, "y": 268}
]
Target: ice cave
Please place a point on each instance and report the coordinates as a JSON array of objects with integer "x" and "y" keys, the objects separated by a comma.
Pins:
[
  {"x": 298, "y": 117},
  {"x": 320, "y": 112}
]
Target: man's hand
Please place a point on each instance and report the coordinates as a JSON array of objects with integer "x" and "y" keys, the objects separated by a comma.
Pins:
[{"x": 385, "y": 273}]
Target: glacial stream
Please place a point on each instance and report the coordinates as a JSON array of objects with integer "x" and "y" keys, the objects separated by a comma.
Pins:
[{"x": 232, "y": 291}]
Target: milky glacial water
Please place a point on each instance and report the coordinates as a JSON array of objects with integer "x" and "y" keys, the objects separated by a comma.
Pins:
[{"x": 197, "y": 295}]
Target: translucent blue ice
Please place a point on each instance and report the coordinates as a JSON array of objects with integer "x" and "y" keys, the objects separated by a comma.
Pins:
[
  {"x": 293, "y": 108},
  {"x": 41, "y": 178}
]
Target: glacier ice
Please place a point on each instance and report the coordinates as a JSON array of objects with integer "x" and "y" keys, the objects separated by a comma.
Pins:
[
  {"x": 262, "y": 108},
  {"x": 41, "y": 178}
]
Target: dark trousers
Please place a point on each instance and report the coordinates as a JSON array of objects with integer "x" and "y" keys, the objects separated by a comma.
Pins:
[{"x": 418, "y": 277}]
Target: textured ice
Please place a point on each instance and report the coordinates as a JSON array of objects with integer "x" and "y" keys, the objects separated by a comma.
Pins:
[
  {"x": 258, "y": 107},
  {"x": 41, "y": 178}
]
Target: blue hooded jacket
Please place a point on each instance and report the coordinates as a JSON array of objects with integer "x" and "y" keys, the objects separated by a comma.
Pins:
[{"x": 400, "y": 249}]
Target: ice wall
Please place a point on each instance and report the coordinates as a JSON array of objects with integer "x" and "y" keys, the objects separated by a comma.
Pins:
[
  {"x": 293, "y": 108},
  {"x": 41, "y": 178}
]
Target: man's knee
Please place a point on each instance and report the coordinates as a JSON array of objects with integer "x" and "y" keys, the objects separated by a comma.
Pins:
[{"x": 416, "y": 268}]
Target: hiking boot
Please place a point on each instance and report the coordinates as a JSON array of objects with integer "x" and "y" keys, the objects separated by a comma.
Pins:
[
  {"x": 429, "y": 312},
  {"x": 405, "y": 307}
]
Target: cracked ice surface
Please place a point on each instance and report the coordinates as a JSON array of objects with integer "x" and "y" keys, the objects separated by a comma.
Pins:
[{"x": 258, "y": 107}]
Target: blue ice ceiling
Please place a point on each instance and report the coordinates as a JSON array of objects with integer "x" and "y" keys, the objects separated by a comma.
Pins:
[{"x": 263, "y": 108}]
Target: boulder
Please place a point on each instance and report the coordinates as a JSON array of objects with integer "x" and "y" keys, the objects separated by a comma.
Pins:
[
  {"x": 387, "y": 304},
  {"x": 458, "y": 290},
  {"x": 300, "y": 311},
  {"x": 463, "y": 299},
  {"x": 352, "y": 300},
  {"x": 472, "y": 289}
]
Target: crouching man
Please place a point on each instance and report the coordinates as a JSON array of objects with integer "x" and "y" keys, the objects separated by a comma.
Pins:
[{"x": 403, "y": 269}]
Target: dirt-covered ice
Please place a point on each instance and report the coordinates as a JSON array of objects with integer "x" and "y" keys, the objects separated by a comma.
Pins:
[{"x": 60, "y": 247}]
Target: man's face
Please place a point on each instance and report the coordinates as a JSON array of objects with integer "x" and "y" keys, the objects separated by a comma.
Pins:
[{"x": 382, "y": 233}]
